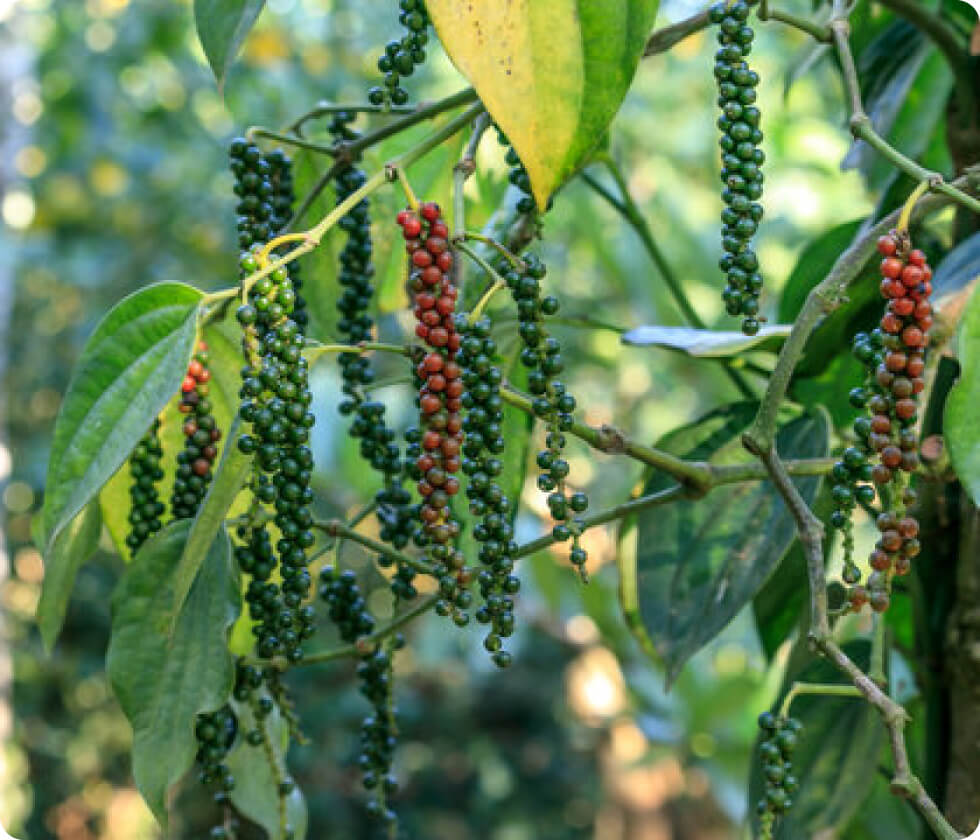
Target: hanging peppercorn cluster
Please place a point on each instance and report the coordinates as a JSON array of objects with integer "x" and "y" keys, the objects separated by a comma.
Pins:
[
  {"x": 196, "y": 459},
  {"x": 436, "y": 447},
  {"x": 550, "y": 401},
  {"x": 780, "y": 736},
  {"x": 742, "y": 160},
  {"x": 275, "y": 400},
  {"x": 397, "y": 516},
  {"x": 887, "y": 449},
  {"x": 145, "y": 509},
  {"x": 402, "y": 57},
  {"x": 253, "y": 186},
  {"x": 216, "y": 733},
  {"x": 483, "y": 443},
  {"x": 348, "y": 610}
]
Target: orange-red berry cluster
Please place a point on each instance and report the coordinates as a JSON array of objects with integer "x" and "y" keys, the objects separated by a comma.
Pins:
[
  {"x": 194, "y": 462},
  {"x": 897, "y": 382},
  {"x": 440, "y": 395}
]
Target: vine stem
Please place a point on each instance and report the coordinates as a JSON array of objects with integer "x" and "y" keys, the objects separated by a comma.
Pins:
[
  {"x": 482, "y": 303},
  {"x": 340, "y": 529},
  {"x": 515, "y": 261},
  {"x": 325, "y": 109},
  {"x": 903, "y": 220},
  {"x": 822, "y": 689}
]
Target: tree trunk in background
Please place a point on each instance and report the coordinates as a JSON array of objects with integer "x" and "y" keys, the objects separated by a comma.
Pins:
[{"x": 963, "y": 669}]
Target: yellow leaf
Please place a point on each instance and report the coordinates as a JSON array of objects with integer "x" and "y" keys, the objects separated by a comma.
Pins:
[{"x": 552, "y": 73}]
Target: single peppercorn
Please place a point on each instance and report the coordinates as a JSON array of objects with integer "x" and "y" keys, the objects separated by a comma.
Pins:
[{"x": 145, "y": 507}]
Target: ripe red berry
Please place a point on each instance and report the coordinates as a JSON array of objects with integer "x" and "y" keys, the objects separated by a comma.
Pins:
[
  {"x": 411, "y": 228},
  {"x": 917, "y": 257},
  {"x": 887, "y": 246},
  {"x": 912, "y": 337},
  {"x": 905, "y": 409},
  {"x": 891, "y": 267},
  {"x": 430, "y": 211}
]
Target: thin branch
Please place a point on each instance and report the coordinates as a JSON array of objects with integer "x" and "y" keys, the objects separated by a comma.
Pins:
[
  {"x": 663, "y": 39},
  {"x": 340, "y": 529}
]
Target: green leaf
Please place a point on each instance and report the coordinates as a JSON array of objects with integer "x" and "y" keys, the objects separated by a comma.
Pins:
[
  {"x": 130, "y": 368},
  {"x": 72, "y": 547},
  {"x": 224, "y": 345},
  {"x": 960, "y": 419},
  {"x": 552, "y": 75},
  {"x": 837, "y": 757},
  {"x": 708, "y": 343},
  {"x": 230, "y": 476},
  {"x": 255, "y": 793},
  {"x": 813, "y": 265},
  {"x": 700, "y": 561},
  {"x": 222, "y": 26},
  {"x": 165, "y": 672}
]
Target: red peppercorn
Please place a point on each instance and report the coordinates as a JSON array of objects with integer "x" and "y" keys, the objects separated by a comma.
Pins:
[
  {"x": 917, "y": 257},
  {"x": 903, "y": 306},
  {"x": 887, "y": 246},
  {"x": 912, "y": 337},
  {"x": 891, "y": 267},
  {"x": 905, "y": 409},
  {"x": 411, "y": 228},
  {"x": 916, "y": 365}
]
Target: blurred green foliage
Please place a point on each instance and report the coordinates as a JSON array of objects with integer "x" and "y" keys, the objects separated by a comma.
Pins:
[{"x": 123, "y": 182}]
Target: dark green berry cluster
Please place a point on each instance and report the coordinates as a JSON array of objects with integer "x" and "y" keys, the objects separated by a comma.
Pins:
[
  {"x": 402, "y": 57},
  {"x": 379, "y": 731},
  {"x": 779, "y": 740},
  {"x": 483, "y": 443},
  {"x": 347, "y": 608},
  {"x": 275, "y": 400},
  {"x": 257, "y": 216},
  {"x": 517, "y": 175},
  {"x": 742, "y": 160},
  {"x": 216, "y": 733},
  {"x": 397, "y": 516},
  {"x": 348, "y": 611},
  {"x": 145, "y": 505},
  {"x": 550, "y": 401},
  {"x": 886, "y": 450},
  {"x": 201, "y": 433}
]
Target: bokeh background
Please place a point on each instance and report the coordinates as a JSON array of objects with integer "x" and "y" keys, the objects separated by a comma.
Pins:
[{"x": 113, "y": 175}]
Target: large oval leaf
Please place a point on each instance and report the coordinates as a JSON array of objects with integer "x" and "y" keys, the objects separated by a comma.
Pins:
[
  {"x": 960, "y": 419},
  {"x": 256, "y": 792},
  {"x": 700, "y": 561},
  {"x": 72, "y": 547},
  {"x": 130, "y": 368},
  {"x": 165, "y": 672},
  {"x": 837, "y": 758},
  {"x": 551, "y": 74}
]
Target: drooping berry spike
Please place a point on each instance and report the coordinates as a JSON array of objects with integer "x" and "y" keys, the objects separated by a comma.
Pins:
[
  {"x": 482, "y": 447},
  {"x": 780, "y": 736},
  {"x": 196, "y": 460},
  {"x": 439, "y": 442},
  {"x": 551, "y": 402},
  {"x": 402, "y": 57},
  {"x": 146, "y": 510},
  {"x": 887, "y": 444},
  {"x": 348, "y": 611},
  {"x": 742, "y": 160},
  {"x": 397, "y": 516}
]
